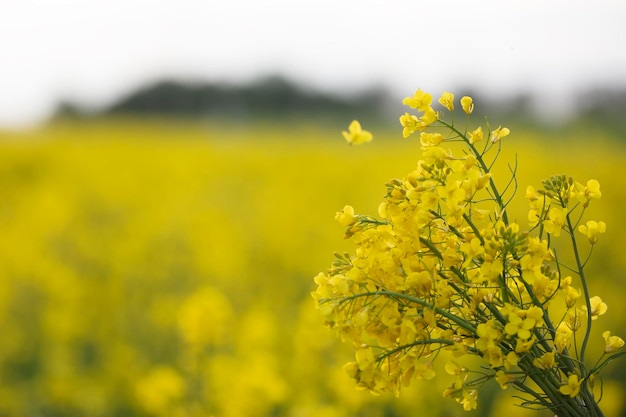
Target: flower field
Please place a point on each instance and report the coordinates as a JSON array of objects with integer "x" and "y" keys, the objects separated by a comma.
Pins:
[{"x": 166, "y": 268}]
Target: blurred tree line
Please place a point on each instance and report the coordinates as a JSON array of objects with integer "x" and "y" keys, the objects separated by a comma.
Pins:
[
  {"x": 276, "y": 97},
  {"x": 268, "y": 98}
]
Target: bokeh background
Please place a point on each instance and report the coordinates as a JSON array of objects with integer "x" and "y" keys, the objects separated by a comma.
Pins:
[{"x": 170, "y": 171}]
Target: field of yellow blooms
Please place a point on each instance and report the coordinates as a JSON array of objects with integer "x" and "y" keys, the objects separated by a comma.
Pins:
[{"x": 165, "y": 268}]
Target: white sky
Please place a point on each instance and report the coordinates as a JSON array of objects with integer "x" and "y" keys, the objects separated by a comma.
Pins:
[{"x": 94, "y": 51}]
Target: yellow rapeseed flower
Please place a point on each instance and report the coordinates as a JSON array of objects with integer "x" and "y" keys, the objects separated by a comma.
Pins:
[
  {"x": 447, "y": 100},
  {"x": 410, "y": 124},
  {"x": 557, "y": 217},
  {"x": 519, "y": 326},
  {"x": 420, "y": 100},
  {"x": 476, "y": 135},
  {"x": 592, "y": 229},
  {"x": 572, "y": 388},
  {"x": 430, "y": 139},
  {"x": 468, "y": 104},
  {"x": 345, "y": 217},
  {"x": 546, "y": 361},
  {"x": 612, "y": 343},
  {"x": 355, "y": 135},
  {"x": 499, "y": 133},
  {"x": 585, "y": 193},
  {"x": 503, "y": 379},
  {"x": 598, "y": 307},
  {"x": 563, "y": 337}
]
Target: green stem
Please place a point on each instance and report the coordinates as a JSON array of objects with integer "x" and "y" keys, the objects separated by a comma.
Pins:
[
  {"x": 460, "y": 322},
  {"x": 416, "y": 343},
  {"x": 485, "y": 169},
  {"x": 583, "y": 279}
]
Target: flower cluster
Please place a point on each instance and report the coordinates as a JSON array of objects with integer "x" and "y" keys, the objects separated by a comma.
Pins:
[{"x": 443, "y": 272}]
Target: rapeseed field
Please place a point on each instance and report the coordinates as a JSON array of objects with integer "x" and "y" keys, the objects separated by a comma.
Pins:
[{"x": 165, "y": 268}]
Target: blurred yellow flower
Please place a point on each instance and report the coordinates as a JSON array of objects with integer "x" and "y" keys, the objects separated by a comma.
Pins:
[
  {"x": 598, "y": 307},
  {"x": 572, "y": 388},
  {"x": 476, "y": 135},
  {"x": 592, "y": 229},
  {"x": 430, "y": 139},
  {"x": 503, "y": 379},
  {"x": 612, "y": 343},
  {"x": 345, "y": 217},
  {"x": 546, "y": 361},
  {"x": 355, "y": 135},
  {"x": 499, "y": 133},
  {"x": 159, "y": 389}
]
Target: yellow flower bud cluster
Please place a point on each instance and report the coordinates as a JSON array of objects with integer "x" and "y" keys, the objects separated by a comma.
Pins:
[{"x": 443, "y": 269}]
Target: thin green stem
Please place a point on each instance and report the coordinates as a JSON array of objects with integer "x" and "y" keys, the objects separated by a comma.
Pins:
[
  {"x": 479, "y": 157},
  {"x": 460, "y": 322},
  {"x": 583, "y": 279}
]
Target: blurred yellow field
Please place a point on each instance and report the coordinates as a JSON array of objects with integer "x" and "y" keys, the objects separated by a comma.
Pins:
[{"x": 165, "y": 269}]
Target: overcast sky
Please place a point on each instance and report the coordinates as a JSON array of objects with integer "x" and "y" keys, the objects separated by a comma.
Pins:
[{"x": 94, "y": 51}]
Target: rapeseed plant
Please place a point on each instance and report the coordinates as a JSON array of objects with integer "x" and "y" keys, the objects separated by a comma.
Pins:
[{"x": 444, "y": 272}]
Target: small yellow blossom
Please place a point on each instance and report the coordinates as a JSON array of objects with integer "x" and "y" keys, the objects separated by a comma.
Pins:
[
  {"x": 468, "y": 104},
  {"x": 452, "y": 368},
  {"x": 447, "y": 100},
  {"x": 593, "y": 189},
  {"x": 364, "y": 357},
  {"x": 420, "y": 100},
  {"x": 430, "y": 139},
  {"x": 355, "y": 135},
  {"x": 557, "y": 217},
  {"x": 574, "y": 318},
  {"x": 469, "y": 400},
  {"x": 523, "y": 346},
  {"x": 482, "y": 181},
  {"x": 493, "y": 356},
  {"x": 519, "y": 326},
  {"x": 476, "y": 135},
  {"x": 424, "y": 371},
  {"x": 570, "y": 293},
  {"x": 612, "y": 343},
  {"x": 598, "y": 307},
  {"x": 531, "y": 193},
  {"x": 535, "y": 313},
  {"x": 572, "y": 388},
  {"x": 410, "y": 124},
  {"x": 563, "y": 337},
  {"x": 352, "y": 369},
  {"x": 511, "y": 360},
  {"x": 592, "y": 230},
  {"x": 503, "y": 379},
  {"x": 346, "y": 216},
  {"x": 546, "y": 361},
  {"x": 429, "y": 117},
  {"x": 585, "y": 193},
  {"x": 499, "y": 133}
]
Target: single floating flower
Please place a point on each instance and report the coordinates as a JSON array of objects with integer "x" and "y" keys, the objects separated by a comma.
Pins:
[{"x": 356, "y": 135}]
